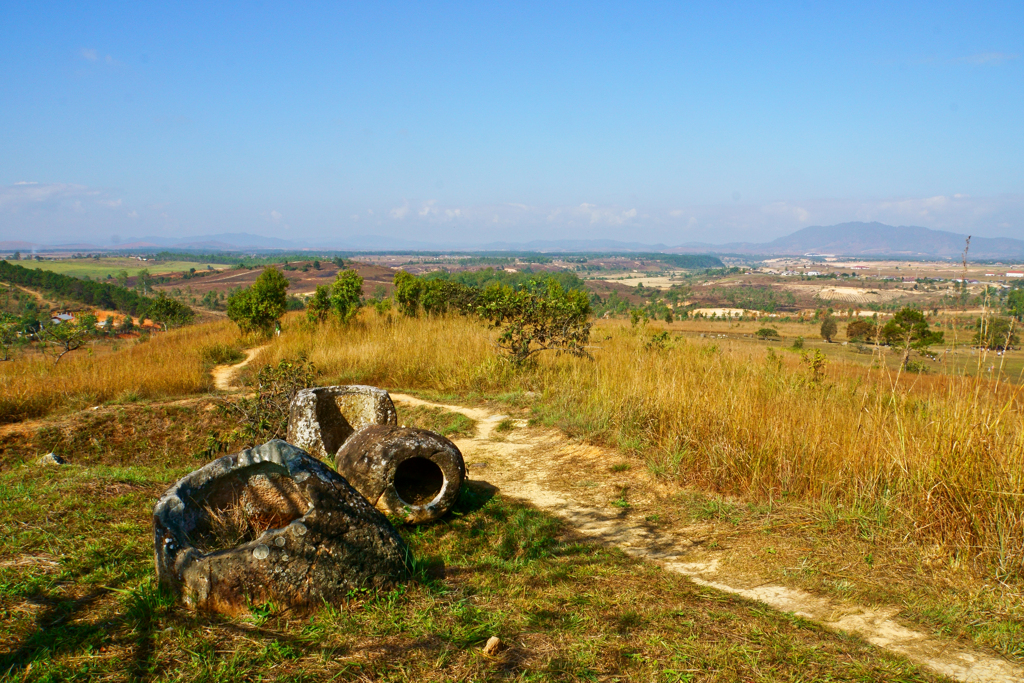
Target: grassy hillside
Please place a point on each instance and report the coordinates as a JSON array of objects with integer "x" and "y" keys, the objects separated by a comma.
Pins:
[
  {"x": 174, "y": 363},
  {"x": 939, "y": 456},
  {"x": 78, "y": 600},
  {"x": 860, "y": 481}
]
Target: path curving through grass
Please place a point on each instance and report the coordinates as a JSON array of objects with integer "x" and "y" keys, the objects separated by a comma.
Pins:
[
  {"x": 544, "y": 467},
  {"x": 224, "y": 375}
]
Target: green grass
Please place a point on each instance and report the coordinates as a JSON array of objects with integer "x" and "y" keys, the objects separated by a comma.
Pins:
[
  {"x": 505, "y": 426},
  {"x": 100, "y": 268},
  {"x": 78, "y": 601},
  {"x": 445, "y": 422}
]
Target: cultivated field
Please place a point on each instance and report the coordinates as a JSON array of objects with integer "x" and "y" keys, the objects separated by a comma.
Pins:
[{"x": 100, "y": 268}]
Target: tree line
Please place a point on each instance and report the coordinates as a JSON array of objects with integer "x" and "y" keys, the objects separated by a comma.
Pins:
[
  {"x": 106, "y": 295},
  {"x": 533, "y": 314}
]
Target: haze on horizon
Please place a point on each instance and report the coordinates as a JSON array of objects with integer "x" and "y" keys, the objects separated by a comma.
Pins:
[{"x": 459, "y": 122}]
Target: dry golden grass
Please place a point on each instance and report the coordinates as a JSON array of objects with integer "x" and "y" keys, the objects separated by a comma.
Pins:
[
  {"x": 444, "y": 355},
  {"x": 941, "y": 457},
  {"x": 167, "y": 364}
]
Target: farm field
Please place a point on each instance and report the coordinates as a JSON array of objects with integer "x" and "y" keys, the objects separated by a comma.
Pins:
[
  {"x": 302, "y": 277},
  {"x": 102, "y": 267},
  {"x": 955, "y": 357}
]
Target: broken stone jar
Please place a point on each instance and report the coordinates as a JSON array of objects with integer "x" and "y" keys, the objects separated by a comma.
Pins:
[
  {"x": 413, "y": 473},
  {"x": 321, "y": 419},
  {"x": 271, "y": 524}
]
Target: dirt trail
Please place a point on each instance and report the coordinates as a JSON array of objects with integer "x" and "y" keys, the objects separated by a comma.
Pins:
[
  {"x": 224, "y": 375},
  {"x": 547, "y": 469}
]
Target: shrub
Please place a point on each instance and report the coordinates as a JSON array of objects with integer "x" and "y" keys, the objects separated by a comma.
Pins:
[
  {"x": 346, "y": 294},
  {"x": 538, "y": 317},
  {"x": 816, "y": 363},
  {"x": 442, "y": 296},
  {"x": 829, "y": 328},
  {"x": 408, "y": 289},
  {"x": 264, "y": 415},
  {"x": 862, "y": 329},
  {"x": 168, "y": 312},
  {"x": 319, "y": 305}
]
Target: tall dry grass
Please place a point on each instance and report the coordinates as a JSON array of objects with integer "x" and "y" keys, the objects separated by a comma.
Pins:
[
  {"x": 940, "y": 458},
  {"x": 167, "y": 364},
  {"x": 442, "y": 354}
]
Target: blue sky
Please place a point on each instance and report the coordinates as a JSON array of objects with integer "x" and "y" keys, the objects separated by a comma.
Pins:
[{"x": 468, "y": 122}]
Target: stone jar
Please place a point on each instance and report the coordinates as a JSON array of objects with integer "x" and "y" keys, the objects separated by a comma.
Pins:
[
  {"x": 413, "y": 473},
  {"x": 294, "y": 533}
]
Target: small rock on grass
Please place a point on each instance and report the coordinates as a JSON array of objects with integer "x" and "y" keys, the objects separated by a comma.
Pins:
[
  {"x": 52, "y": 459},
  {"x": 493, "y": 646}
]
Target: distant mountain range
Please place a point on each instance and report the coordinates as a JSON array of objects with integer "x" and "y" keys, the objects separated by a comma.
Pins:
[
  {"x": 845, "y": 239},
  {"x": 872, "y": 240}
]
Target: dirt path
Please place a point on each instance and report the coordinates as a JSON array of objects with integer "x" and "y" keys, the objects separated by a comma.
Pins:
[
  {"x": 224, "y": 375},
  {"x": 547, "y": 469}
]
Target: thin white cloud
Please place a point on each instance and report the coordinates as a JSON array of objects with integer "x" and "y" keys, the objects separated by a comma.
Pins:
[
  {"x": 25, "y": 195},
  {"x": 54, "y": 212},
  {"x": 92, "y": 55},
  {"x": 988, "y": 58}
]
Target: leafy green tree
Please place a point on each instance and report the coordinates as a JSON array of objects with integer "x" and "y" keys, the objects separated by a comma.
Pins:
[
  {"x": 767, "y": 333},
  {"x": 167, "y": 311},
  {"x": 997, "y": 334},
  {"x": 408, "y": 290},
  {"x": 1015, "y": 303},
  {"x": 258, "y": 307},
  {"x": 319, "y": 305},
  {"x": 144, "y": 282},
  {"x": 122, "y": 278},
  {"x": 88, "y": 323},
  {"x": 829, "y": 328},
  {"x": 347, "y": 294},
  {"x": 441, "y": 296},
  {"x": 539, "y": 317},
  {"x": 908, "y": 331}
]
